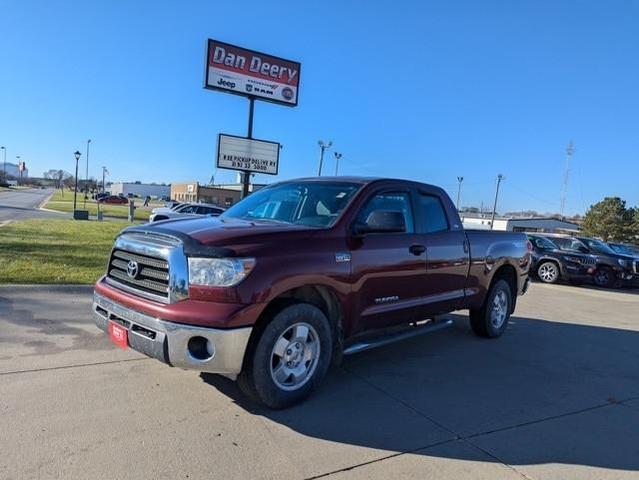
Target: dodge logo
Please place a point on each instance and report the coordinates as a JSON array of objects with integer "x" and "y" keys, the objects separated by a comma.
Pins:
[{"x": 132, "y": 269}]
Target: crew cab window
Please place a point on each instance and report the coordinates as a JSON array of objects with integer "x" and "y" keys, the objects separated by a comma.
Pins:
[
  {"x": 432, "y": 213},
  {"x": 390, "y": 201}
]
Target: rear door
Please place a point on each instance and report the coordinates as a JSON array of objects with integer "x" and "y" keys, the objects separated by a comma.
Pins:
[
  {"x": 388, "y": 268},
  {"x": 447, "y": 256}
]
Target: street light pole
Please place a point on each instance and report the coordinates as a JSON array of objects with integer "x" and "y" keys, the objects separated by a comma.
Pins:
[
  {"x": 75, "y": 191},
  {"x": 103, "y": 171},
  {"x": 86, "y": 175},
  {"x": 323, "y": 146},
  {"x": 337, "y": 158},
  {"x": 19, "y": 173},
  {"x": 459, "y": 182},
  {"x": 4, "y": 167},
  {"x": 500, "y": 177}
]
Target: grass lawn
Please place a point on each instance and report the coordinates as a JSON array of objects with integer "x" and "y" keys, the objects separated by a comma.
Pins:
[
  {"x": 56, "y": 251},
  {"x": 63, "y": 202}
]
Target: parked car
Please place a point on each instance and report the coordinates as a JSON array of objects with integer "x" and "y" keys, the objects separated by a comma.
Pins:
[
  {"x": 302, "y": 272},
  {"x": 552, "y": 264},
  {"x": 113, "y": 199},
  {"x": 625, "y": 249},
  {"x": 189, "y": 209},
  {"x": 612, "y": 269},
  {"x": 172, "y": 204}
]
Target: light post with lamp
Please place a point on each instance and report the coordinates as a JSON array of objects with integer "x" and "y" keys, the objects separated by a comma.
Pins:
[
  {"x": 75, "y": 191},
  {"x": 323, "y": 146},
  {"x": 337, "y": 158}
]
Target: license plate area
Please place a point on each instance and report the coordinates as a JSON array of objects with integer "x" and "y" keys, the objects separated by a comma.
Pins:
[{"x": 118, "y": 334}]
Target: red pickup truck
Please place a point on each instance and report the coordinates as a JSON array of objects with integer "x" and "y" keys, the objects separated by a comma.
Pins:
[{"x": 300, "y": 273}]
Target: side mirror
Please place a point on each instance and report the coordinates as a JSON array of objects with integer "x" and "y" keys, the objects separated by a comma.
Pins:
[{"x": 382, "y": 221}]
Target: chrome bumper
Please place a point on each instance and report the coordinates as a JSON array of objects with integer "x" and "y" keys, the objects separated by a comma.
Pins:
[{"x": 169, "y": 342}]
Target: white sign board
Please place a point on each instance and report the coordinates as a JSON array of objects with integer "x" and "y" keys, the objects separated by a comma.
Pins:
[{"x": 246, "y": 154}]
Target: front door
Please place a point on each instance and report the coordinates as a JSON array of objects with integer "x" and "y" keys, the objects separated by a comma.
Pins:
[{"x": 388, "y": 268}]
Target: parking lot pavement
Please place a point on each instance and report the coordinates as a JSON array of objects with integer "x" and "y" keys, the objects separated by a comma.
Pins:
[{"x": 556, "y": 397}]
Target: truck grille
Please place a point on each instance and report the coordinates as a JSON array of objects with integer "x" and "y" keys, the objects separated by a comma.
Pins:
[
  {"x": 588, "y": 261},
  {"x": 140, "y": 272}
]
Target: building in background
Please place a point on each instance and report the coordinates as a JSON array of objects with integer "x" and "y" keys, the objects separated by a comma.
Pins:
[
  {"x": 533, "y": 224},
  {"x": 141, "y": 190},
  {"x": 222, "y": 195},
  {"x": 13, "y": 170}
]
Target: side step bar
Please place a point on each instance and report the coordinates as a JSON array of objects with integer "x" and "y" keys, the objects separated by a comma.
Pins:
[{"x": 362, "y": 345}]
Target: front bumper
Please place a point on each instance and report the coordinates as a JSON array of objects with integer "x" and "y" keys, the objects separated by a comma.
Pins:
[{"x": 170, "y": 342}]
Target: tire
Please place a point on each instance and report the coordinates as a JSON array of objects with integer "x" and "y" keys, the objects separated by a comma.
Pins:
[
  {"x": 289, "y": 358},
  {"x": 548, "y": 272},
  {"x": 604, "y": 277},
  {"x": 491, "y": 320}
]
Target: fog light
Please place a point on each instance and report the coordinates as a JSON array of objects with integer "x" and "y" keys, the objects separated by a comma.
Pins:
[{"x": 201, "y": 348}]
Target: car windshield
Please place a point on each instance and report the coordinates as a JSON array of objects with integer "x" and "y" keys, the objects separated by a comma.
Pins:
[
  {"x": 315, "y": 204},
  {"x": 543, "y": 243},
  {"x": 599, "y": 247},
  {"x": 623, "y": 249}
]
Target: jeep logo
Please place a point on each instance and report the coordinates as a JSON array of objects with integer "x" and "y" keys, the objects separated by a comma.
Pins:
[{"x": 223, "y": 83}]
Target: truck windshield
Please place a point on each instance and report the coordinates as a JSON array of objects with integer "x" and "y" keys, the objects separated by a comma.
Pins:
[{"x": 315, "y": 204}]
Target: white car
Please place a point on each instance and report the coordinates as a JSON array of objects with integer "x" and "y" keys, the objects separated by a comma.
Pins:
[{"x": 186, "y": 210}]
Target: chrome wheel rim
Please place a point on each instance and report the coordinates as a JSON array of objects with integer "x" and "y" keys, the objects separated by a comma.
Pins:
[
  {"x": 295, "y": 356},
  {"x": 547, "y": 272},
  {"x": 499, "y": 309}
]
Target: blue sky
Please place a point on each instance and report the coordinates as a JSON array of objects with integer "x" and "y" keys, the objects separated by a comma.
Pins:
[{"x": 422, "y": 90}]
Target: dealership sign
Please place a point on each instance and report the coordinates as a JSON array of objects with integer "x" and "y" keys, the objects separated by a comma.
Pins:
[
  {"x": 246, "y": 154},
  {"x": 246, "y": 72}
]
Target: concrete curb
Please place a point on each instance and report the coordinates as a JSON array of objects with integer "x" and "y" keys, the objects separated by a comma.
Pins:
[{"x": 26, "y": 288}]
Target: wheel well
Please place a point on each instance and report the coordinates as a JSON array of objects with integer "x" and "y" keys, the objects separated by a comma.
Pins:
[
  {"x": 507, "y": 272},
  {"x": 318, "y": 295}
]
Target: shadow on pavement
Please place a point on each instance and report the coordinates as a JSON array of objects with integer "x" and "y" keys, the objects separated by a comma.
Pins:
[{"x": 546, "y": 392}]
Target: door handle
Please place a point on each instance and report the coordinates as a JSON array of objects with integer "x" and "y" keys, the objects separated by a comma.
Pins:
[{"x": 417, "y": 249}]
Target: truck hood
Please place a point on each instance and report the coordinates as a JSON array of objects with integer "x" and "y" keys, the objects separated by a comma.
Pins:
[{"x": 239, "y": 236}]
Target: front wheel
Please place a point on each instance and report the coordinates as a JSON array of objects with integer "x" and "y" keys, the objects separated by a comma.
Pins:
[
  {"x": 604, "y": 277},
  {"x": 491, "y": 320},
  {"x": 548, "y": 272},
  {"x": 290, "y": 357}
]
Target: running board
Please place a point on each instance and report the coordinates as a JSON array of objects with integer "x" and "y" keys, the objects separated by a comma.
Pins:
[{"x": 396, "y": 337}]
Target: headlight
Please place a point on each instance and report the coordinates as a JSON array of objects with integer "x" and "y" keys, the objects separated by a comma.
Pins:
[
  {"x": 623, "y": 263},
  {"x": 219, "y": 272}
]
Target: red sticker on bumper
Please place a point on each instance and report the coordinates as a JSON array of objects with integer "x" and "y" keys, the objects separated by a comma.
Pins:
[{"x": 118, "y": 335}]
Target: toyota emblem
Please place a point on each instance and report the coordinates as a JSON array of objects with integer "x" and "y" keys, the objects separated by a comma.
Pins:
[{"x": 132, "y": 269}]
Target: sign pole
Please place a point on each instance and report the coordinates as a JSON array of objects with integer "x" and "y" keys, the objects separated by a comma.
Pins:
[{"x": 247, "y": 174}]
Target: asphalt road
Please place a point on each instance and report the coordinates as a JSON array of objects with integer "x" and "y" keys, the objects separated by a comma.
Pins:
[
  {"x": 23, "y": 204},
  {"x": 557, "y": 397}
]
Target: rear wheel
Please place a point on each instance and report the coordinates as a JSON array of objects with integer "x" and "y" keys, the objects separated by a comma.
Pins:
[
  {"x": 604, "y": 277},
  {"x": 548, "y": 272},
  {"x": 491, "y": 320},
  {"x": 290, "y": 358}
]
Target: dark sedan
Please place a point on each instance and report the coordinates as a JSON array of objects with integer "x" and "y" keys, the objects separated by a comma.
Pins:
[{"x": 551, "y": 264}]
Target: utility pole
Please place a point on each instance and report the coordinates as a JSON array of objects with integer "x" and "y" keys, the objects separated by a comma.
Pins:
[
  {"x": 86, "y": 175},
  {"x": 500, "y": 177},
  {"x": 104, "y": 169},
  {"x": 337, "y": 158},
  {"x": 323, "y": 146},
  {"x": 459, "y": 182},
  {"x": 570, "y": 149},
  {"x": 19, "y": 172}
]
